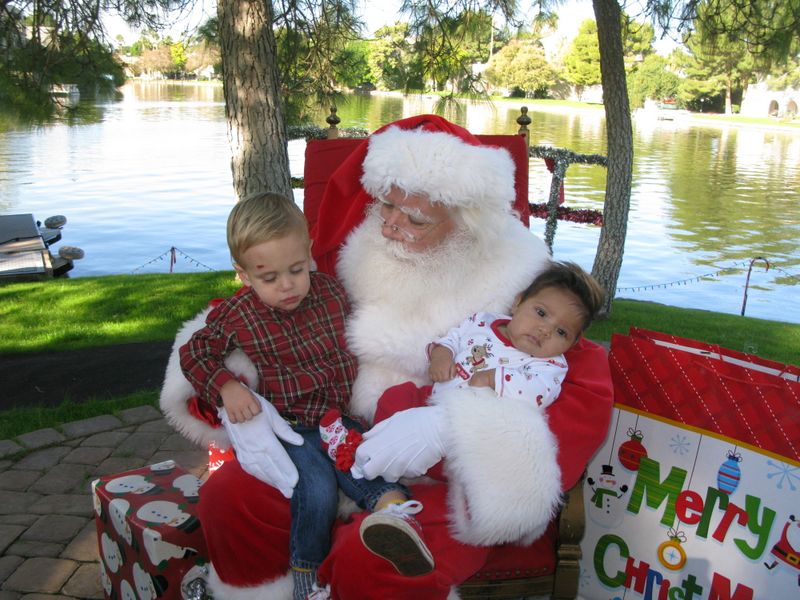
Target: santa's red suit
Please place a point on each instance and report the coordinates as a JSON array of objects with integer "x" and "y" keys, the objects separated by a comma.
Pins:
[
  {"x": 787, "y": 548},
  {"x": 506, "y": 463}
]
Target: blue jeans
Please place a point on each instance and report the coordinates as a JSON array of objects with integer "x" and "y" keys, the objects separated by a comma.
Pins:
[{"x": 315, "y": 499}]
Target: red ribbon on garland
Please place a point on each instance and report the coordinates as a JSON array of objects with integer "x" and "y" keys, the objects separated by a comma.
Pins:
[{"x": 565, "y": 213}]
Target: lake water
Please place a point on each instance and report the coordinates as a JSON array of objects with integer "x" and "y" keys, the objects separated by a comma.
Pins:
[{"x": 138, "y": 176}]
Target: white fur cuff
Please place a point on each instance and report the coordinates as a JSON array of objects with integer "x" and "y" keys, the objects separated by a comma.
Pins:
[
  {"x": 505, "y": 482},
  {"x": 279, "y": 589}
]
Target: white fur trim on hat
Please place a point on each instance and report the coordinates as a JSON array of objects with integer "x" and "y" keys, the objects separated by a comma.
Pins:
[{"x": 440, "y": 165}]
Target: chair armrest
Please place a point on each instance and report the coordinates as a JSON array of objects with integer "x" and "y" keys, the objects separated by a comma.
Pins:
[{"x": 571, "y": 527}]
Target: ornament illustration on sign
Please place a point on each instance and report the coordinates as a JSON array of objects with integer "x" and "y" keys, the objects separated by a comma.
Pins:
[
  {"x": 730, "y": 473},
  {"x": 670, "y": 553},
  {"x": 631, "y": 452}
]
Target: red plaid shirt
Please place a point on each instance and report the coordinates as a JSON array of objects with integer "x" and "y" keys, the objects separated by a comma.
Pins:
[{"x": 303, "y": 365}]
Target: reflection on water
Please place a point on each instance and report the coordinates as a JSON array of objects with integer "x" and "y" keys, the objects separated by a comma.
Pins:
[
  {"x": 167, "y": 92},
  {"x": 151, "y": 170}
]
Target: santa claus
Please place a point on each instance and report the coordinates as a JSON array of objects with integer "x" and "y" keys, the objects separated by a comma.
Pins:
[
  {"x": 787, "y": 548},
  {"x": 418, "y": 225}
]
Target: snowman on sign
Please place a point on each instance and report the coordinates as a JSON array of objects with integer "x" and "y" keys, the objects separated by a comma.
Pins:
[
  {"x": 604, "y": 496},
  {"x": 787, "y": 549}
]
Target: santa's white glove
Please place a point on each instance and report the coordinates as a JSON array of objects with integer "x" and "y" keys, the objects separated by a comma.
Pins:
[
  {"x": 259, "y": 450},
  {"x": 406, "y": 444}
]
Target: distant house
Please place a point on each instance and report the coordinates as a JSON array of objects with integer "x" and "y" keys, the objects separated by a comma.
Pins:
[
  {"x": 206, "y": 72},
  {"x": 760, "y": 101},
  {"x": 589, "y": 93},
  {"x": 129, "y": 64}
]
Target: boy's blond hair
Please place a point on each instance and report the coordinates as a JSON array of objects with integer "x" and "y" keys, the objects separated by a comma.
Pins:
[{"x": 260, "y": 218}]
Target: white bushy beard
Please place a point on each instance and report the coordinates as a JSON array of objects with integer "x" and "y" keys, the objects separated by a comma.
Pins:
[{"x": 454, "y": 249}]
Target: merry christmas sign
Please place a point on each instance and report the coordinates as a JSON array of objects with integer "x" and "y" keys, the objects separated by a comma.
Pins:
[{"x": 695, "y": 494}]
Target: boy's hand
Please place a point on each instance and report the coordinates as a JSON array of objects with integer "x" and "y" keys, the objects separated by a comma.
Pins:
[
  {"x": 442, "y": 367},
  {"x": 483, "y": 379},
  {"x": 239, "y": 402}
]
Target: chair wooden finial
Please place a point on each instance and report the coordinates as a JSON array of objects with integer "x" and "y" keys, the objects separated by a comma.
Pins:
[
  {"x": 333, "y": 120},
  {"x": 523, "y": 121}
]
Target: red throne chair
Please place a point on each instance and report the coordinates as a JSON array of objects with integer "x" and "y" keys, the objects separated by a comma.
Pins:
[{"x": 549, "y": 567}]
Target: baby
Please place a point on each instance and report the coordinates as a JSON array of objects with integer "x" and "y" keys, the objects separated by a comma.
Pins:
[{"x": 521, "y": 355}]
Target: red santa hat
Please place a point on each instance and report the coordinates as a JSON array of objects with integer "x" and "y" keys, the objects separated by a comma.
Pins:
[{"x": 425, "y": 154}]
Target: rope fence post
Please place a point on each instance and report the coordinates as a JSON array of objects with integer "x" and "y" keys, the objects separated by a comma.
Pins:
[
  {"x": 173, "y": 253},
  {"x": 747, "y": 281}
]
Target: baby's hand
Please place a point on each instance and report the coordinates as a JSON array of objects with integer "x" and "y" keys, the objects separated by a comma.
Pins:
[
  {"x": 442, "y": 367},
  {"x": 239, "y": 402},
  {"x": 483, "y": 379}
]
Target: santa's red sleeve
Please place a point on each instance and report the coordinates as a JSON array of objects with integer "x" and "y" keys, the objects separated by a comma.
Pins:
[
  {"x": 508, "y": 462},
  {"x": 580, "y": 416}
]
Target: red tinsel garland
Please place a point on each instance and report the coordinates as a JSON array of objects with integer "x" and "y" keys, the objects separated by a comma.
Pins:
[{"x": 565, "y": 213}]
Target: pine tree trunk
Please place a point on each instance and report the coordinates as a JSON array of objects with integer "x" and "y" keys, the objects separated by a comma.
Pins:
[
  {"x": 608, "y": 260},
  {"x": 253, "y": 105}
]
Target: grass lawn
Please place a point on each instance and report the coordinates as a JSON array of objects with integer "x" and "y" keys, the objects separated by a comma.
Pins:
[
  {"x": 774, "y": 340},
  {"x": 742, "y": 120},
  {"x": 65, "y": 314},
  {"x": 87, "y": 312},
  {"x": 697, "y": 118},
  {"x": 17, "y": 421}
]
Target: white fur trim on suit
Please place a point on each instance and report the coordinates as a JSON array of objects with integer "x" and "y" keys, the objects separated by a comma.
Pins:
[
  {"x": 279, "y": 589},
  {"x": 453, "y": 595},
  {"x": 176, "y": 390},
  {"x": 502, "y": 468},
  {"x": 442, "y": 166}
]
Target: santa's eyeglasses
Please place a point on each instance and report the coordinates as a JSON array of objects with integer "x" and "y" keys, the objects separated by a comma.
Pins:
[{"x": 410, "y": 222}]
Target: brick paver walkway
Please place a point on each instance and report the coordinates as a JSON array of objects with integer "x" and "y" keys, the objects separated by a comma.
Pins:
[{"x": 48, "y": 540}]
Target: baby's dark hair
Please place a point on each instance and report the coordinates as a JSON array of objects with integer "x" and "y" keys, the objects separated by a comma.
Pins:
[{"x": 569, "y": 276}]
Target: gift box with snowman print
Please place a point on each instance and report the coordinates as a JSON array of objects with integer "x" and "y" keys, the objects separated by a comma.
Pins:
[{"x": 150, "y": 541}]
